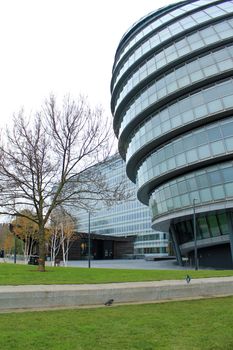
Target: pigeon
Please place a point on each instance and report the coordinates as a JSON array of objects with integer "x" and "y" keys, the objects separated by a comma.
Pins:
[
  {"x": 188, "y": 278},
  {"x": 109, "y": 302}
]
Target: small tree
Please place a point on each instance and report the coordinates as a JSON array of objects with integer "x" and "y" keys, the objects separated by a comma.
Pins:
[
  {"x": 27, "y": 231},
  {"x": 54, "y": 242},
  {"x": 4, "y": 232},
  {"x": 67, "y": 232},
  {"x": 61, "y": 232},
  {"x": 8, "y": 245},
  {"x": 41, "y": 156}
]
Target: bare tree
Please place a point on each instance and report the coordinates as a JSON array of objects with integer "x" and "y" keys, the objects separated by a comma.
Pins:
[{"x": 46, "y": 160}]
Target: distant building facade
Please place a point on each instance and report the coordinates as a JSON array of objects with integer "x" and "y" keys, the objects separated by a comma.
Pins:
[
  {"x": 125, "y": 219},
  {"x": 172, "y": 102}
]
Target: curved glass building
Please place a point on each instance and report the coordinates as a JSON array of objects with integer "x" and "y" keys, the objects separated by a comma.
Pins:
[{"x": 172, "y": 102}]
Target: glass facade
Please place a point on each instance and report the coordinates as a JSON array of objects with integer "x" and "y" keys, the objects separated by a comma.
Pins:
[
  {"x": 126, "y": 218},
  {"x": 202, "y": 144},
  {"x": 182, "y": 24},
  {"x": 178, "y": 50},
  {"x": 207, "y": 185},
  {"x": 205, "y": 103},
  {"x": 181, "y": 78},
  {"x": 172, "y": 102}
]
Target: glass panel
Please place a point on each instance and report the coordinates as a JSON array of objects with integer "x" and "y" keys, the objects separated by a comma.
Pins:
[
  {"x": 217, "y": 147},
  {"x": 213, "y": 224},
  {"x": 229, "y": 190},
  {"x": 200, "y": 111},
  {"x": 182, "y": 188},
  {"x": 180, "y": 159},
  {"x": 214, "y": 134},
  {"x": 229, "y": 144},
  {"x": 203, "y": 227},
  {"x": 227, "y": 129},
  {"x": 192, "y": 185},
  {"x": 204, "y": 151},
  {"x": 174, "y": 190},
  {"x": 202, "y": 181},
  {"x": 177, "y": 203},
  {"x": 205, "y": 195},
  {"x": 228, "y": 174},
  {"x": 223, "y": 223},
  {"x": 192, "y": 156},
  {"x": 189, "y": 227},
  {"x": 185, "y": 200},
  {"x": 214, "y": 106},
  {"x": 194, "y": 195},
  {"x": 200, "y": 138},
  {"x": 218, "y": 192},
  {"x": 215, "y": 177}
]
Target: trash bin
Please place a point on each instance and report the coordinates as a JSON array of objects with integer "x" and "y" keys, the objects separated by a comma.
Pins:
[{"x": 33, "y": 260}]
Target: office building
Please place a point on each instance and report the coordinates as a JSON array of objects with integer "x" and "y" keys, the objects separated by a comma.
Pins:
[{"x": 125, "y": 219}]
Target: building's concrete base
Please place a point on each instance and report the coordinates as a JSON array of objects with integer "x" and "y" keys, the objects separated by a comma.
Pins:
[{"x": 66, "y": 296}]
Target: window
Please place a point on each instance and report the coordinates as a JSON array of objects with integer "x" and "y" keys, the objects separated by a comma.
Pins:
[
  {"x": 202, "y": 181},
  {"x": 227, "y": 174},
  {"x": 213, "y": 224},
  {"x": 205, "y": 195},
  {"x": 223, "y": 223},
  {"x": 192, "y": 185},
  {"x": 180, "y": 159},
  {"x": 229, "y": 189},
  {"x": 218, "y": 192},
  {"x": 214, "y": 134},
  {"x": 215, "y": 177},
  {"x": 203, "y": 227},
  {"x": 182, "y": 188},
  {"x": 227, "y": 129},
  {"x": 217, "y": 147},
  {"x": 192, "y": 156}
]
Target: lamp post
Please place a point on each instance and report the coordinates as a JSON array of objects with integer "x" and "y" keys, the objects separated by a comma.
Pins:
[
  {"x": 14, "y": 248},
  {"x": 89, "y": 239},
  {"x": 195, "y": 235}
]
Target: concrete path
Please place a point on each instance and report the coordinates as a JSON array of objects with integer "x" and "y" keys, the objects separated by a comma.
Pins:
[
  {"x": 170, "y": 264},
  {"x": 40, "y": 297}
]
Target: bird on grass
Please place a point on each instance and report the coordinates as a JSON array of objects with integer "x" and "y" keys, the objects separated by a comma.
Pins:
[
  {"x": 188, "y": 279},
  {"x": 109, "y": 302}
]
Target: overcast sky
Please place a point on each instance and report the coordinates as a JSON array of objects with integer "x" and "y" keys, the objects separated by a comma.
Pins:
[{"x": 61, "y": 47}]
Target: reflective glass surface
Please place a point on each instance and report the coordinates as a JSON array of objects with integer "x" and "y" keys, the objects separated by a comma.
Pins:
[
  {"x": 153, "y": 25},
  {"x": 127, "y": 218},
  {"x": 213, "y": 64},
  {"x": 202, "y": 104},
  {"x": 204, "y": 143},
  {"x": 169, "y": 32},
  {"x": 208, "y": 225},
  {"x": 181, "y": 48},
  {"x": 209, "y": 185}
]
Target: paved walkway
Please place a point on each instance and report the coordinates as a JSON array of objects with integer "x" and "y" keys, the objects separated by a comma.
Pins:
[
  {"x": 170, "y": 264},
  {"x": 40, "y": 297},
  {"x": 118, "y": 264}
]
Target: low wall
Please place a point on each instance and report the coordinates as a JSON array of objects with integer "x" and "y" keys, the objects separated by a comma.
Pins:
[{"x": 62, "y": 296}]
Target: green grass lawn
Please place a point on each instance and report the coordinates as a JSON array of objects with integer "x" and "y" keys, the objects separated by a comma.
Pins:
[
  {"x": 184, "y": 325},
  {"x": 16, "y": 274}
]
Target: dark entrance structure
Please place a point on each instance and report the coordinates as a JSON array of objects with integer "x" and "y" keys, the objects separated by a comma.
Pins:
[{"x": 102, "y": 246}]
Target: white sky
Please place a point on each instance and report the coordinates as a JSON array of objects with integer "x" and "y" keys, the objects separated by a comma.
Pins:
[{"x": 63, "y": 47}]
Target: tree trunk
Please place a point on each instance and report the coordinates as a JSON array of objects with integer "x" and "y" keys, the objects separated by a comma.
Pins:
[{"x": 41, "y": 260}]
